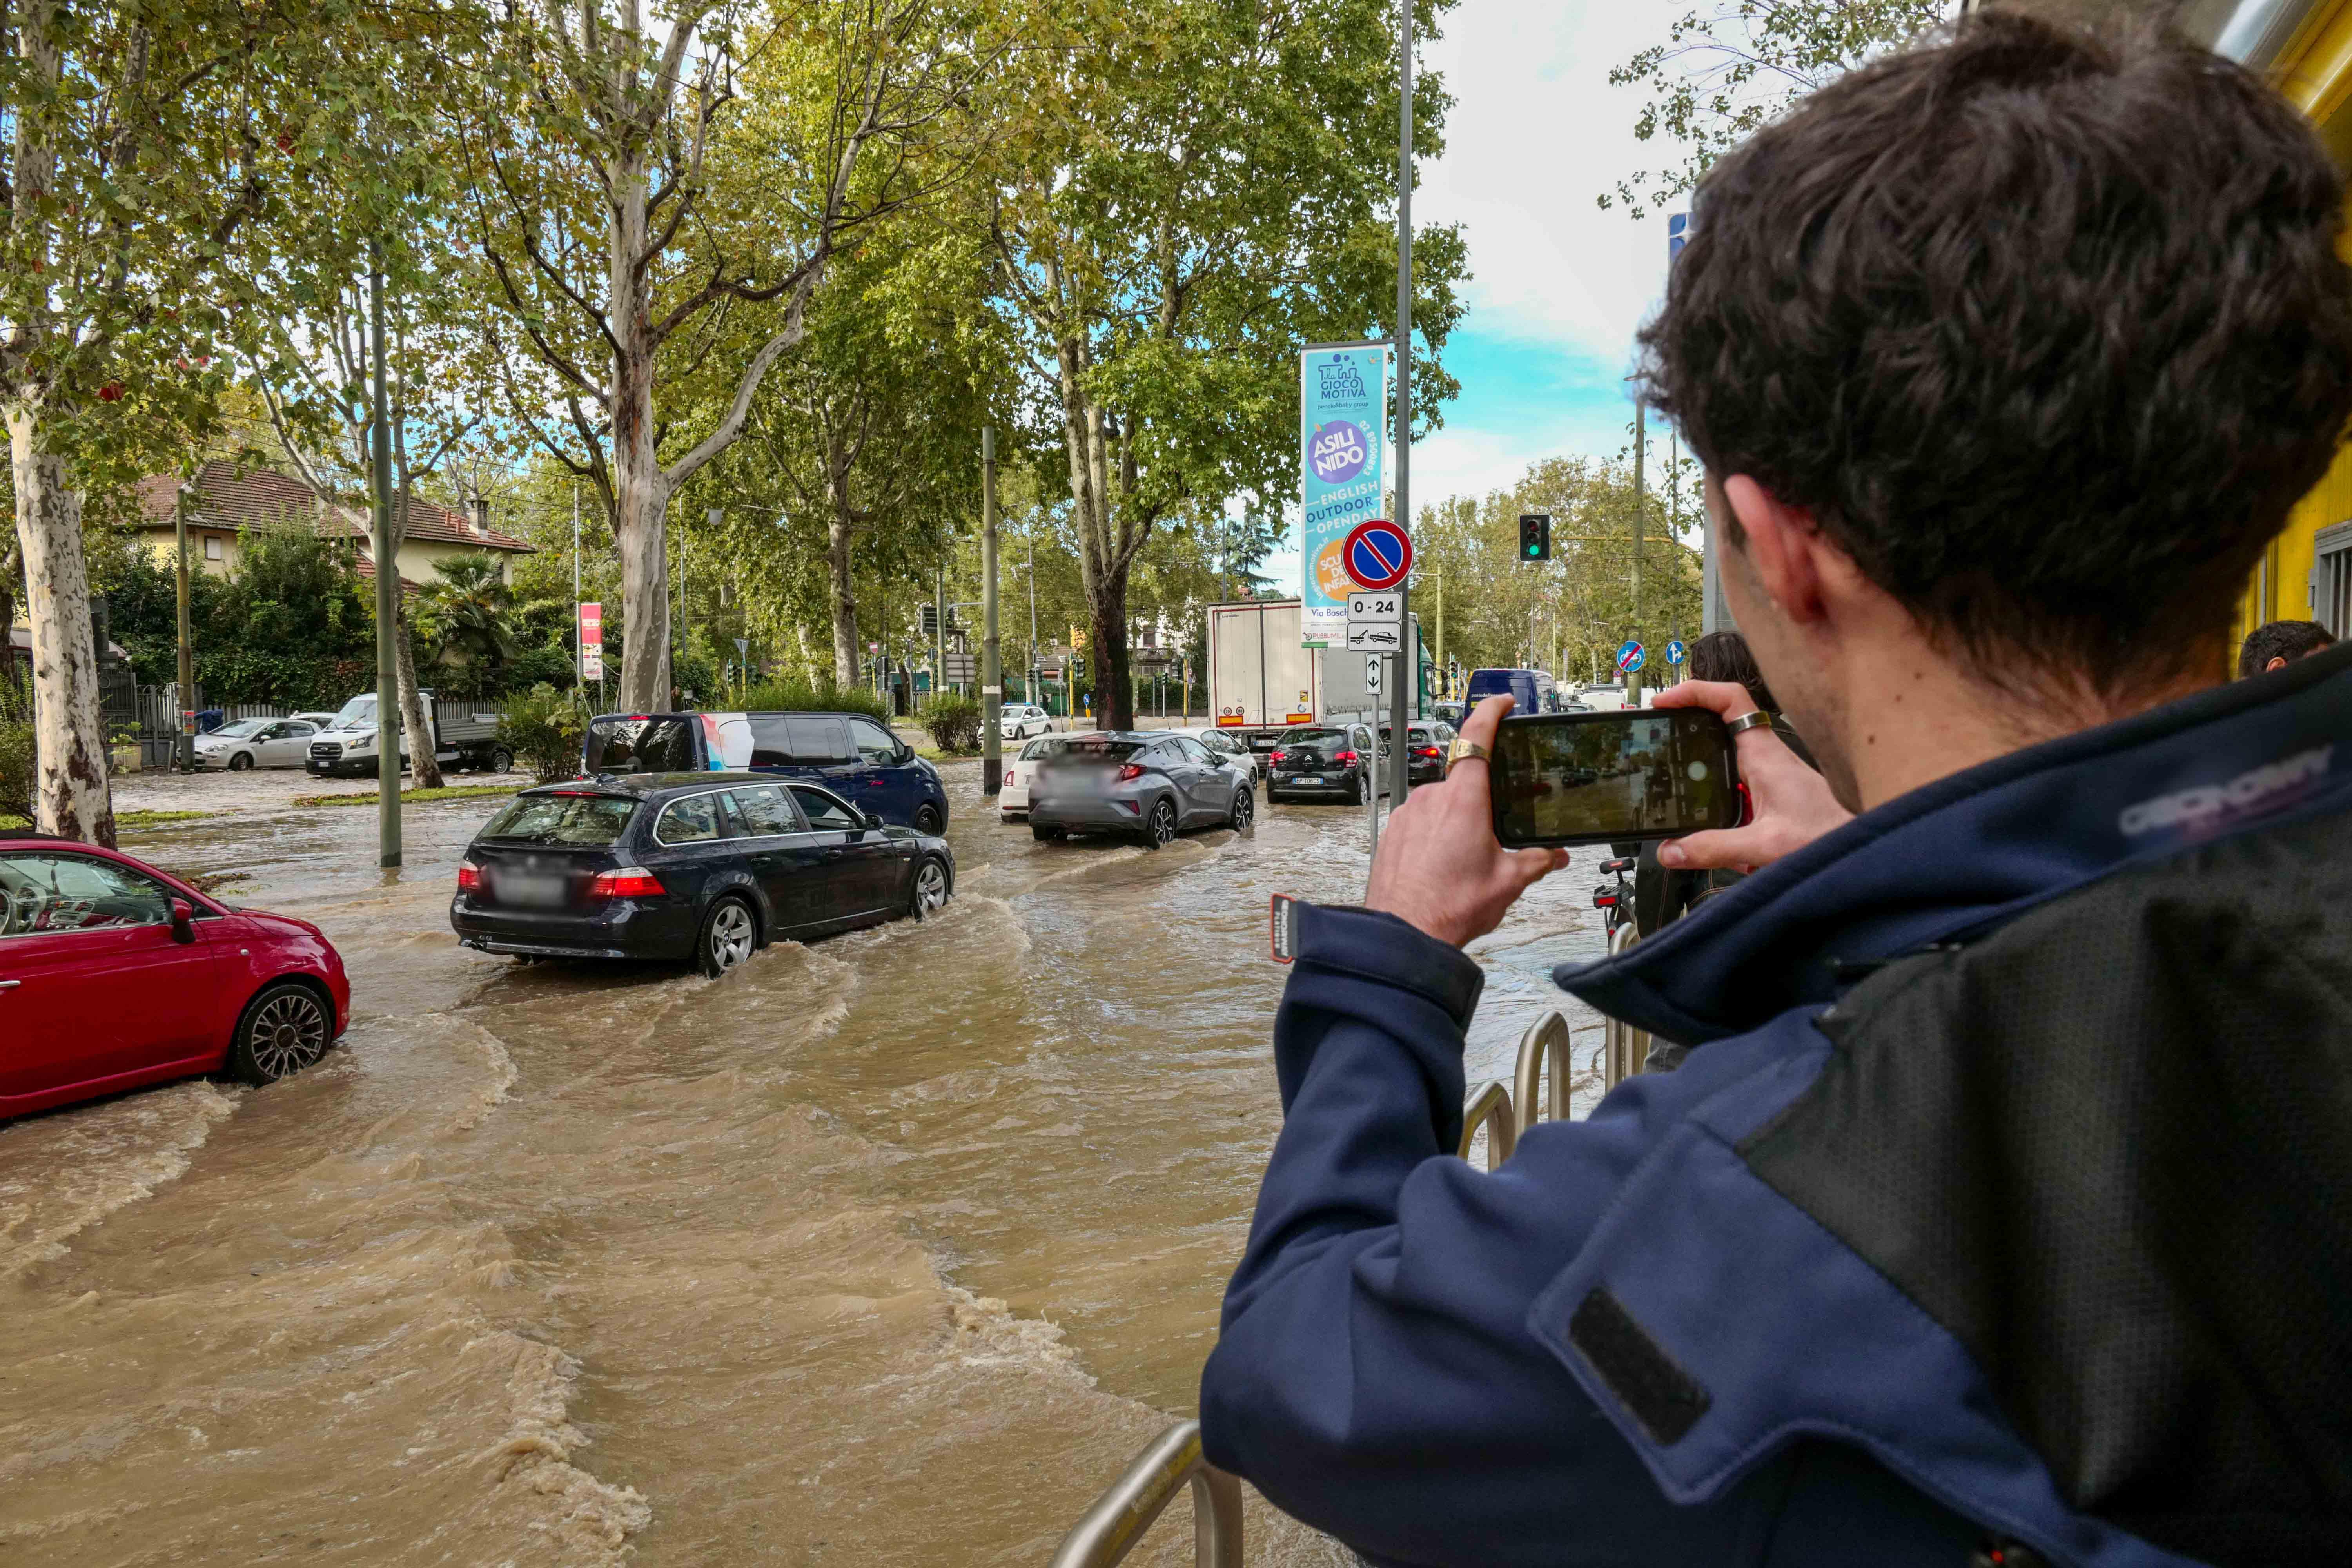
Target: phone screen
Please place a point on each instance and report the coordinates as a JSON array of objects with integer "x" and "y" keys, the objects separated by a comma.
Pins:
[{"x": 1592, "y": 778}]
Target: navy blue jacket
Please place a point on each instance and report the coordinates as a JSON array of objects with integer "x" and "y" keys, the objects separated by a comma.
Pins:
[{"x": 1408, "y": 1348}]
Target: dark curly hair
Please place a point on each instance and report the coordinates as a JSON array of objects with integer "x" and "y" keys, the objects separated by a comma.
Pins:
[
  {"x": 2289, "y": 640},
  {"x": 2043, "y": 325}
]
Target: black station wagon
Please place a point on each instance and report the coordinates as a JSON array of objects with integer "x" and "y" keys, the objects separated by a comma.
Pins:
[{"x": 705, "y": 867}]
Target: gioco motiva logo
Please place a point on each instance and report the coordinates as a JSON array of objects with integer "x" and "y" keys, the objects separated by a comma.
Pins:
[{"x": 1338, "y": 451}]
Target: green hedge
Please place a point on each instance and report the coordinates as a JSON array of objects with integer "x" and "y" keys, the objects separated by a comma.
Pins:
[
  {"x": 791, "y": 695},
  {"x": 953, "y": 722},
  {"x": 544, "y": 728}
]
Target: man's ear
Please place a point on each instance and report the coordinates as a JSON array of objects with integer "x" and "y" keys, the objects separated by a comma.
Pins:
[
  {"x": 1784, "y": 547},
  {"x": 2277, "y": 661}
]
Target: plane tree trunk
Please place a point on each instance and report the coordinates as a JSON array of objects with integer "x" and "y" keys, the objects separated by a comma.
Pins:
[{"x": 70, "y": 795}]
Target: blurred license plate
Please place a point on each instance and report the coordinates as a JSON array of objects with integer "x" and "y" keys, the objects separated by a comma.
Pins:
[
  {"x": 1308, "y": 778},
  {"x": 527, "y": 888}
]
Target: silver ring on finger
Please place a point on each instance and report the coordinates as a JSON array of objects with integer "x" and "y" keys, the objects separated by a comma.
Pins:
[{"x": 1758, "y": 720}]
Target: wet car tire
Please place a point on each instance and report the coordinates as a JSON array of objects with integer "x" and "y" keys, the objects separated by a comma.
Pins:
[
  {"x": 285, "y": 1028},
  {"x": 927, "y": 820},
  {"x": 1045, "y": 835},
  {"x": 1243, "y": 803},
  {"x": 239, "y": 763},
  {"x": 1159, "y": 828},
  {"x": 1356, "y": 790},
  {"x": 501, "y": 759},
  {"x": 931, "y": 889},
  {"x": 731, "y": 933}
]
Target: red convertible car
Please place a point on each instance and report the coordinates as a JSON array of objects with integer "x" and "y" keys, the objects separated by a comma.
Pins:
[{"x": 114, "y": 974}]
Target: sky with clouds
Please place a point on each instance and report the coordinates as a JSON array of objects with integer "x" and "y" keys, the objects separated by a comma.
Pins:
[{"x": 1557, "y": 286}]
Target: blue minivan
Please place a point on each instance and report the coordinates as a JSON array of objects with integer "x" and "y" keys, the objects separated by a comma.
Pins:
[
  {"x": 855, "y": 756},
  {"x": 1530, "y": 690}
]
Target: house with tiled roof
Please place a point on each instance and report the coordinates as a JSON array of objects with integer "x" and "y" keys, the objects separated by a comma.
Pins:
[{"x": 225, "y": 500}]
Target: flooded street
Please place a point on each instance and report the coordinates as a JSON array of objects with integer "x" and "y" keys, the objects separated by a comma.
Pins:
[{"x": 891, "y": 1249}]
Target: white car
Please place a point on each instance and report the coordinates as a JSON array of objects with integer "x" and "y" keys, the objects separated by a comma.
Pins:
[
  {"x": 1019, "y": 720},
  {"x": 1230, "y": 747},
  {"x": 244, "y": 743},
  {"x": 1021, "y": 771}
]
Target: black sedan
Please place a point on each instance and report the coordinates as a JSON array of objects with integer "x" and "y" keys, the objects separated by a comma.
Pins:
[
  {"x": 702, "y": 867},
  {"x": 1426, "y": 752},
  {"x": 1325, "y": 762}
]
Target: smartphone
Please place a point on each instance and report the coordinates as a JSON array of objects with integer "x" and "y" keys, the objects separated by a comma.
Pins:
[{"x": 1600, "y": 778}]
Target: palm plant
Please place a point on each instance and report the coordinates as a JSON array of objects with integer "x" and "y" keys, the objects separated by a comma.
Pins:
[{"x": 467, "y": 618}]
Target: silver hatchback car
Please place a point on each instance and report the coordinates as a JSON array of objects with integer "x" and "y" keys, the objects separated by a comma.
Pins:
[{"x": 1145, "y": 784}]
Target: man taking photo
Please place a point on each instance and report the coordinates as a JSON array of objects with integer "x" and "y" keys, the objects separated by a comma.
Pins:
[{"x": 2002, "y": 1210}]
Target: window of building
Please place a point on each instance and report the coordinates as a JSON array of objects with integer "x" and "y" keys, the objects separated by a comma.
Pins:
[
  {"x": 2331, "y": 580},
  {"x": 212, "y": 547}
]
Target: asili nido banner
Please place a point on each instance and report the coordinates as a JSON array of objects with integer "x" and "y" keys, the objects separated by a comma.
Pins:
[{"x": 1343, "y": 398}]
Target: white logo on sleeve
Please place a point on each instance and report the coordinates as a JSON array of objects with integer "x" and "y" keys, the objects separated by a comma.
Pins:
[{"x": 2251, "y": 792}]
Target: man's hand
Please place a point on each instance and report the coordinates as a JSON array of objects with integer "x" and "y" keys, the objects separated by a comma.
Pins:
[
  {"x": 1439, "y": 867},
  {"x": 1792, "y": 804}
]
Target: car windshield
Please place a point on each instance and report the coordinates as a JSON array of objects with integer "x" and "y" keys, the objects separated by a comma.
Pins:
[
  {"x": 1095, "y": 749},
  {"x": 585, "y": 819},
  {"x": 356, "y": 714},
  {"x": 1315, "y": 738},
  {"x": 1043, "y": 745},
  {"x": 237, "y": 727}
]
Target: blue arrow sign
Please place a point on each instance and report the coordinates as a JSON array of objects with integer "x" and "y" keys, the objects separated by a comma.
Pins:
[
  {"x": 1630, "y": 658},
  {"x": 1675, "y": 652}
]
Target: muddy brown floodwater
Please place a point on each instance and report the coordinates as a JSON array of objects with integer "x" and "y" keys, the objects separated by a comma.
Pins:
[{"x": 890, "y": 1249}]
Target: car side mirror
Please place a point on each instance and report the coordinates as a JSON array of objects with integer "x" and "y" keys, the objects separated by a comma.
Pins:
[
  {"x": 184, "y": 918},
  {"x": 873, "y": 819}
]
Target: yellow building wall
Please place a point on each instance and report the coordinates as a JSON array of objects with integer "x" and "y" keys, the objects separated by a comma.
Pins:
[
  {"x": 2315, "y": 75},
  {"x": 417, "y": 559}
]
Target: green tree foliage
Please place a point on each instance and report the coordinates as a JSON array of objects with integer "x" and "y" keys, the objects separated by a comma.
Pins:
[
  {"x": 1726, "y": 67},
  {"x": 1567, "y": 615},
  {"x": 1182, "y": 194}
]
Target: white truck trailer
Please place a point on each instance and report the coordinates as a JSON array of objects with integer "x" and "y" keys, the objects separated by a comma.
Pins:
[{"x": 1260, "y": 678}]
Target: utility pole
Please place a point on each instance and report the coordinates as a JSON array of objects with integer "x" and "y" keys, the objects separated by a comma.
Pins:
[
  {"x": 387, "y": 599},
  {"x": 1407, "y": 686},
  {"x": 1029, "y": 544},
  {"x": 184, "y": 748},
  {"x": 1641, "y": 440},
  {"x": 579, "y": 652},
  {"x": 992, "y": 672}
]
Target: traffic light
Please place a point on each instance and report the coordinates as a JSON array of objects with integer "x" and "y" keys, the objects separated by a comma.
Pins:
[
  {"x": 931, "y": 620},
  {"x": 1535, "y": 536}
]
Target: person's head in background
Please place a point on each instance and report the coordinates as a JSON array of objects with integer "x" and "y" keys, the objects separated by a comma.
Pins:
[
  {"x": 1724, "y": 656},
  {"x": 2279, "y": 643},
  {"x": 1978, "y": 484}
]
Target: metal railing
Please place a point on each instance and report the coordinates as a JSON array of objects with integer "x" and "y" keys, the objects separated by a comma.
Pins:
[
  {"x": 1547, "y": 1039},
  {"x": 1120, "y": 1516},
  {"x": 1625, "y": 1050},
  {"x": 1490, "y": 1108}
]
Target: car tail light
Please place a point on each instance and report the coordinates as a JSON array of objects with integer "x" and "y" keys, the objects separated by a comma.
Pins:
[
  {"x": 1132, "y": 770},
  {"x": 1424, "y": 751},
  {"x": 1345, "y": 757},
  {"x": 628, "y": 882},
  {"x": 1276, "y": 756},
  {"x": 470, "y": 876}
]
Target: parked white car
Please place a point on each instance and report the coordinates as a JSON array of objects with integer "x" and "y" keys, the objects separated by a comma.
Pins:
[
  {"x": 1021, "y": 773},
  {"x": 1019, "y": 720},
  {"x": 244, "y": 743},
  {"x": 1227, "y": 746}
]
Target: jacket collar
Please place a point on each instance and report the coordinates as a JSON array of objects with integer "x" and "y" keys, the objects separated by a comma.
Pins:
[{"x": 1958, "y": 856}]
